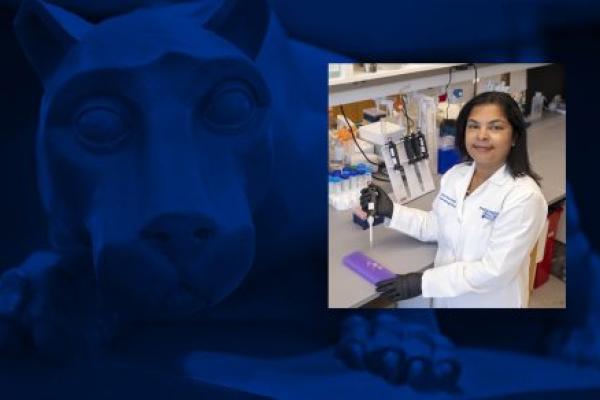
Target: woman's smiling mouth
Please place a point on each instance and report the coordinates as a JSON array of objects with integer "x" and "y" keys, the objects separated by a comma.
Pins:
[{"x": 482, "y": 148}]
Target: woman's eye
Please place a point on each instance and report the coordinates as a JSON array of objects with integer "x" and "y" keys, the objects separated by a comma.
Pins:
[
  {"x": 100, "y": 127},
  {"x": 497, "y": 127},
  {"x": 231, "y": 106}
]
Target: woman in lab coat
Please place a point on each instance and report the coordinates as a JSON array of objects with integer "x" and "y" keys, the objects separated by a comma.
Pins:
[{"x": 486, "y": 218}]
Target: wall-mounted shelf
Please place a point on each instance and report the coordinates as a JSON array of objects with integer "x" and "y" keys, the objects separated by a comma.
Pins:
[
  {"x": 403, "y": 69},
  {"x": 410, "y": 78}
]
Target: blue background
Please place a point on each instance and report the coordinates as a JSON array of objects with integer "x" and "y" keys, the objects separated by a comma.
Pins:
[{"x": 154, "y": 360}]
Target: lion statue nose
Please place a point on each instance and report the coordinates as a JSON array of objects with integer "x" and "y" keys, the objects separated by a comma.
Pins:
[{"x": 176, "y": 265}]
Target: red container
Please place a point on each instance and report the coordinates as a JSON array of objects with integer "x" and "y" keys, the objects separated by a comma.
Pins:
[{"x": 543, "y": 268}]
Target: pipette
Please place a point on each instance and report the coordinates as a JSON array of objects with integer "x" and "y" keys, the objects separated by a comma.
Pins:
[{"x": 371, "y": 212}]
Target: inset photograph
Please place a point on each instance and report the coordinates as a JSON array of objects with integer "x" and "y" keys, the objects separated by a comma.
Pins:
[{"x": 447, "y": 185}]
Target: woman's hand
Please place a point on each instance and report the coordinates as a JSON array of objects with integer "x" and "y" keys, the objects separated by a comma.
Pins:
[
  {"x": 401, "y": 287},
  {"x": 383, "y": 203}
]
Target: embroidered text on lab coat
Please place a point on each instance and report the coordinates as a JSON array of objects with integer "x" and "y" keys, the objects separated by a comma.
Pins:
[
  {"x": 488, "y": 214},
  {"x": 448, "y": 200}
]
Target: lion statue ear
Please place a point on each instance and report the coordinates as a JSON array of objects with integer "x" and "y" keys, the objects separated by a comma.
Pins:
[
  {"x": 46, "y": 33},
  {"x": 244, "y": 23}
]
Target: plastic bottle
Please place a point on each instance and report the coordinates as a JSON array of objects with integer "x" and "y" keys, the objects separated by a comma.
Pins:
[
  {"x": 348, "y": 172},
  {"x": 361, "y": 178},
  {"x": 354, "y": 194},
  {"x": 537, "y": 104},
  {"x": 355, "y": 180},
  {"x": 331, "y": 185},
  {"x": 337, "y": 185},
  {"x": 368, "y": 174},
  {"x": 337, "y": 191},
  {"x": 331, "y": 192},
  {"x": 345, "y": 175},
  {"x": 338, "y": 153}
]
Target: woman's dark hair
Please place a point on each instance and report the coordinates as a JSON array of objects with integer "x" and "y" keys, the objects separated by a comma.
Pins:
[{"x": 517, "y": 160}]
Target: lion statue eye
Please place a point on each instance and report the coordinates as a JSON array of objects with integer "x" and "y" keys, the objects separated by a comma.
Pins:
[
  {"x": 230, "y": 106},
  {"x": 100, "y": 127}
]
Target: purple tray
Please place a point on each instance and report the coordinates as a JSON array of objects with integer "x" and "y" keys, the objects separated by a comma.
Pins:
[{"x": 366, "y": 267}]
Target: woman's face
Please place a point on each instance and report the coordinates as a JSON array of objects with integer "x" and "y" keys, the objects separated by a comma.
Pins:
[{"x": 488, "y": 136}]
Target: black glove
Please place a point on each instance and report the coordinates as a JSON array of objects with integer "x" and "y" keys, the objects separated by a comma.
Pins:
[
  {"x": 383, "y": 204},
  {"x": 401, "y": 287}
]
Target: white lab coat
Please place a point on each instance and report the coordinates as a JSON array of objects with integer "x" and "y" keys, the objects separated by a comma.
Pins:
[{"x": 484, "y": 240}]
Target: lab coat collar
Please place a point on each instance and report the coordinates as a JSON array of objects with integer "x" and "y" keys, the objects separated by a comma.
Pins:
[
  {"x": 461, "y": 188},
  {"x": 466, "y": 179},
  {"x": 500, "y": 176}
]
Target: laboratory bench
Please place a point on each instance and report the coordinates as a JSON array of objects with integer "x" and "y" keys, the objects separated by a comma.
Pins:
[
  {"x": 546, "y": 141},
  {"x": 398, "y": 252},
  {"x": 402, "y": 254}
]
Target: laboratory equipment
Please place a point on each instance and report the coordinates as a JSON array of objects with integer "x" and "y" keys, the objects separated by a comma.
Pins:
[
  {"x": 394, "y": 155},
  {"x": 537, "y": 105},
  {"x": 368, "y": 175},
  {"x": 553, "y": 103},
  {"x": 345, "y": 175},
  {"x": 371, "y": 211},
  {"x": 557, "y": 104},
  {"x": 337, "y": 185},
  {"x": 405, "y": 154},
  {"x": 390, "y": 66},
  {"x": 367, "y": 268},
  {"x": 335, "y": 188},
  {"x": 345, "y": 186},
  {"x": 344, "y": 136},
  {"x": 362, "y": 182},
  {"x": 357, "y": 152},
  {"x": 370, "y": 67},
  {"x": 359, "y": 217},
  {"x": 409, "y": 147},
  {"x": 406, "y": 158},
  {"x": 354, "y": 180},
  {"x": 421, "y": 146},
  {"x": 380, "y": 132},
  {"x": 448, "y": 155},
  {"x": 340, "y": 71},
  {"x": 335, "y": 71},
  {"x": 426, "y": 121},
  {"x": 373, "y": 114},
  {"x": 336, "y": 151}
]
